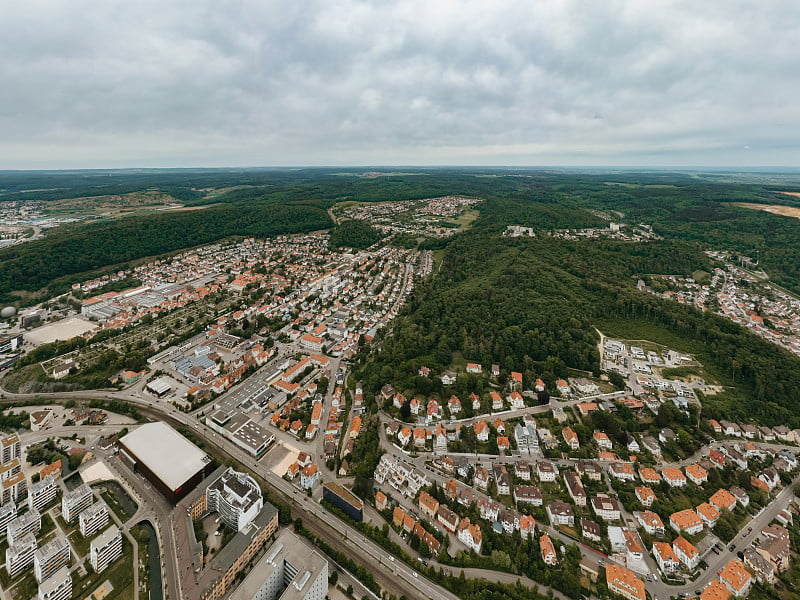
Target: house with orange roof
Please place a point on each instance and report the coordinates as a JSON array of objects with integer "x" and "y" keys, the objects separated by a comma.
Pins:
[
  {"x": 760, "y": 484},
  {"x": 665, "y": 557},
  {"x": 562, "y": 386},
  {"x": 293, "y": 470},
  {"x": 736, "y": 578},
  {"x": 516, "y": 401},
  {"x": 497, "y": 401},
  {"x": 420, "y": 436},
  {"x": 650, "y": 522},
  {"x": 624, "y": 582},
  {"x": 309, "y": 477},
  {"x": 649, "y": 476},
  {"x": 404, "y": 436},
  {"x": 686, "y": 552},
  {"x": 53, "y": 469},
  {"x": 355, "y": 427},
  {"x": 499, "y": 426},
  {"x": 571, "y": 438},
  {"x": 451, "y": 489},
  {"x": 381, "y": 501},
  {"x": 398, "y": 516},
  {"x": 715, "y": 590},
  {"x": 548, "y": 550},
  {"x": 621, "y": 471},
  {"x": 722, "y": 498},
  {"x": 408, "y": 523},
  {"x": 316, "y": 413},
  {"x": 503, "y": 444},
  {"x": 311, "y": 431},
  {"x": 312, "y": 342},
  {"x": 470, "y": 535},
  {"x": 481, "y": 431},
  {"x": 527, "y": 526},
  {"x": 428, "y": 505},
  {"x": 708, "y": 513},
  {"x": 696, "y": 474},
  {"x": 586, "y": 407},
  {"x": 516, "y": 377},
  {"x": 602, "y": 440},
  {"x": 645, "y": 495},
  {"x": 674, "y": 477},
  {"x": 606, "y": 456},
  {"x": 473, "y": 368},
  {"x": 539, "y": 385},
  {"x": 454, "y": 405},
  {"x": 295, "y": 427},
  {"x": 715, "y": 425},
  {"x": 686, "y": 520},
  {"x": 414, "y": 406}
]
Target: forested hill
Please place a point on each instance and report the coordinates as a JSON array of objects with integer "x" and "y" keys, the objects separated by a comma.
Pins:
[
  {"x": 67, "y": 254},
  {"x": 532, "y": 305}
]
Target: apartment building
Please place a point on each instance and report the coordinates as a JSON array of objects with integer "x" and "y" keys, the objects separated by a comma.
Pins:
[
  {"x": 93, "y": 519},
  {"x": 8, "y": 512},
  {"x": 76, "y": 501},
  {"x": 105, "y": 549},
  {"x": 50, "y": 558},
  {"x": 42, "y": 493},
  {"x": 30, "y": 522},
  {"x": 19, "y": 555},
  {"x": 57, "y": 587},
  {"x": 10, "y": 448}
]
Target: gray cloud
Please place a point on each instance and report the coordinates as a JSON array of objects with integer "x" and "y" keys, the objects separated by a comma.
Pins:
[{"x": 199, "y": 83}]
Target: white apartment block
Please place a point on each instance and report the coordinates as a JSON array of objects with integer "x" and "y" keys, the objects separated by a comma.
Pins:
[
  {"x": 10, "y": 448},
  {"x": 75, "y": 501},
  {"x": 291, "y": 570},
  {"x": 50, "y": 558},
  {"x": 58, "y": 587},
  {"x": 105, "y": 549},
  {"x": 8, "y": 512},
  {"x": 42, "y": 493},
  {"x": 19, "y": 556},
  {"x": 93, "y": 519},
  {"x": 13, "y": 488},
  {"x": 30, "y": 522}
]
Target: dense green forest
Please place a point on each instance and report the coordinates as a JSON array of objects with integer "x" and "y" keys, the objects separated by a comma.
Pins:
[
  {"x": 532, "y": 305},
  {"x": 354, "y": 233}
]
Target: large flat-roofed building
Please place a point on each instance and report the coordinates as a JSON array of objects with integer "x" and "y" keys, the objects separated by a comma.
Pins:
[
  {"x": 19, "y": 556},
  {"x": 105, "y": 549},
  {"x": 42, "y": 493},
  {"x": 58, "y": 587},
  {"x": 290, "y": 570},
  {"x": 167, "y": 459},
  {"x": 50, "y": 558},
  {"x": 93, "y": 519},
  {"x": 10, "y": 448},
  {"x": 340, "y": 496},
  {"x": 30, "y": 522},
  {"x": 236, "y": 497},
  {"x": 76, "y": 501}
]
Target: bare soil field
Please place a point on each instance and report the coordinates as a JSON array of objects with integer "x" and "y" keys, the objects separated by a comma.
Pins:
[{"x": 775, "y": 209}]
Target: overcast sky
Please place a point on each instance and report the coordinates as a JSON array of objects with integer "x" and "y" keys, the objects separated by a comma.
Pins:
[{"x": 434, "y": 82}]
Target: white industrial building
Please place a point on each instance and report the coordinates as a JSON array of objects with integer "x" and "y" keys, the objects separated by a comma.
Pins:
[{"x": 167, "y": 459}]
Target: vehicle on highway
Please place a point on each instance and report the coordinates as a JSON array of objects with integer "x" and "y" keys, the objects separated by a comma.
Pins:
[
  {"x": 732, "y": 547},
  {"x": 414, "y": 573},
  {"x": 391, "y": 558}
]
